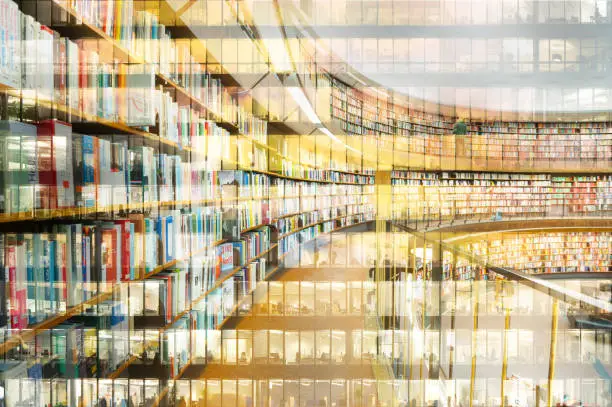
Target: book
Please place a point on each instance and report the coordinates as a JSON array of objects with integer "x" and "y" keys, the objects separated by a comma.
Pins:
[
  {"x": 226, "y": 255},
  {"x": 140, "y": 88},
  {"x": 86, "y": 165},
  {"x": 17, "y": 277},
  {"x": 10, "y": 44},
  {"x": 18, "y": 167},
  {"x": 55, "y": 172}
]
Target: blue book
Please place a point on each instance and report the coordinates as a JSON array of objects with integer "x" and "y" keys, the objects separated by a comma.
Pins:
[
  {"x": 48, "y": 258},
  {"x": 88, "y": 147},
  {"x": 169, "y": 234},
  {"x": 55, "y": 278},
  {"x": 199, "y": 225},
  {"x": 161, "y": 240},
  {"x": 39, "y": 277}
]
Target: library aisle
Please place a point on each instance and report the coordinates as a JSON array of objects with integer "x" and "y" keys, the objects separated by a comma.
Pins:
[{"x": 280, "y": 203}]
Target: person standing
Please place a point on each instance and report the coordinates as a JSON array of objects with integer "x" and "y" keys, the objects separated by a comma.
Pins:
[
  {"x": 460, "y": 128},
  {"x": 461, "y": 144}
]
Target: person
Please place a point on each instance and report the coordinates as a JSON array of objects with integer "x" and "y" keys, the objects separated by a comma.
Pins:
[
  {"x": 461, "y": 143},
  {"x": 460, "y": 128}
]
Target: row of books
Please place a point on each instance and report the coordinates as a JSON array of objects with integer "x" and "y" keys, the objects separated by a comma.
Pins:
[
  {"x": 74, "y": 75},
  {"x": 290, "y": 223},
  {"x": 49, "y": 272},
  {"x": 87, "y": 348},
  {"x": 381, "y": 111},
  {"x": 243, "y": 184},
  {"x": 464, "y": 272},
  {"x": 505, "y": 193},
  {"x": 294, "y": 170},
  {"x": 292, "y": 241},
  {"x": 96, "y": 344},
  {"x": 143, "y": 36},
  {"x": 168, "y": 294},
  {"x": 506, "y": 147},
  {"x": 106, "y": 172},
  {"x": 548, "y": 252},
  {"x": 47, "y": 167},
  {"x": 288, "y": 243},
  {"x": 161, "y": 297},
  {"x": 477, "y": 176}
]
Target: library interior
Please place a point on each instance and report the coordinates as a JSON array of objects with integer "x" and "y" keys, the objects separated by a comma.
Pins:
[{"x": 305, "y": 203}]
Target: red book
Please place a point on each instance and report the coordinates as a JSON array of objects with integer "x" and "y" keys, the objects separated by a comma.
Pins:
[
  {"x": 265, "y": 212},
  {"x": 11, "y": 265},
  {"x": 125, "y": 249},
  {"x": 83, "y": 78},
  {"x": 55, "y": 173},
  {"x": 218, "y": 262},
  {"x": 17, "y": 276},
  {"x": 139, "y": 244},
  {"x": 109, "y": 254}
]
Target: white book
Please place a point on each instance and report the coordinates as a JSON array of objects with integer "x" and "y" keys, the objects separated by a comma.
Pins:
[
  {"x": 29, "y": 43},
  {"x": 62, "y": 151},
  {"x": 91, "y": 93},
  {"x": 119, "y": 159},
  {"x": 72, "y": 58},
  {"x": 141, "y": 93},
  {"x": 44, "y": 63},
  {"x": 105, "y": 186},
  {"x": 14, "y": 36}
]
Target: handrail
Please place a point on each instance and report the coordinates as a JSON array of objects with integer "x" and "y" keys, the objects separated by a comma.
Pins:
[{"x": 542, "y": 285}]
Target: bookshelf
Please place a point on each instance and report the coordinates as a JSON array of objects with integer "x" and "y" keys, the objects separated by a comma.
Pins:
[
  {"x": 448, "y": 196},
  {"x": 424, "y": 141},
  {"x": 156, "y": 222},
  {"x": 545, "y": 252}
]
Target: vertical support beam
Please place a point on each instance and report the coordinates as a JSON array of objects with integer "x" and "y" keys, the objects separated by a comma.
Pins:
[
  {"x": 451, "y": 353},
  {"x": 504, "y": 373},
  {"x": 475, "y": 284},
  {"x": 382, "y": 180},
  {"x": 436, "y": 260},
  {"x": 553, "y": 348}
]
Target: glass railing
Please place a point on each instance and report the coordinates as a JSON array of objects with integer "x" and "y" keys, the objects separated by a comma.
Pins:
[{"x": 491, "y": 336}]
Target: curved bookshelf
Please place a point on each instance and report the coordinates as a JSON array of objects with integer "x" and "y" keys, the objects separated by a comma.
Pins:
[
  {"x": 425, "y": 141},
  {"x": 535, "y": 252},
  {"x": 462, "y": 196}
]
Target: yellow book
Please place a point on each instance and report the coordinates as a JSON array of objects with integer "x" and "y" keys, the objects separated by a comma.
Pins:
[{"x": 118, "y": 19}]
